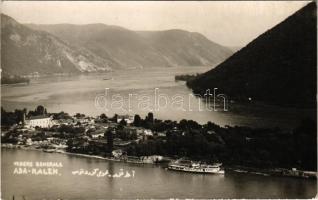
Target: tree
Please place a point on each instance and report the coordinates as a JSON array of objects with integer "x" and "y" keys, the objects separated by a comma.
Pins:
[
  {"x": 149, "y": 117},
  {"x": 19, "y": 116},
  {"x": 137, "y": 120},
  {"x": 8, "y": 118},
  {"x": 40, "y": 110},
  {"x": 183, "y": 124},
  {"x": 123, "y": 122},
  {"x": 79, "y": 115},
  {"x": 103, "y": 116},
  {"x": 115, "y": 117}
]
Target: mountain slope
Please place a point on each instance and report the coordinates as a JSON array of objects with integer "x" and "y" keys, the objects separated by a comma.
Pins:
[
  {"x": 186, "y": 48},
  {"x": 26, "y": 51},
  {"x": 141, "y": 48},
  {"x": 278, "y": 67}
]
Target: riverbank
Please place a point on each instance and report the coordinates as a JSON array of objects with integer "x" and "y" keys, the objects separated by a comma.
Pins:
[
  {"x": 294, "y": 173},
  {"x": 275, "y": 172},
  {"x": 32, "y": 148}
]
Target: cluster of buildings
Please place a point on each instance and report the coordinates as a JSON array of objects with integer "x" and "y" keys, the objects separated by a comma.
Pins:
[{"x": 93, "y": 133}]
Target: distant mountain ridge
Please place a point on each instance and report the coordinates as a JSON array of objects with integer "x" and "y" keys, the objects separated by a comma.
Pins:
[
  {"x": 139, "y": 49},
  {"x": 26, "y": 51},
  {"x": 67, "y": 48},
  {"x": 279, "y": 67}
]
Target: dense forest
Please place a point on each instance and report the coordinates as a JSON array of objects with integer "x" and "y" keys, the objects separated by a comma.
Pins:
[{"x": 263, "y": 148}]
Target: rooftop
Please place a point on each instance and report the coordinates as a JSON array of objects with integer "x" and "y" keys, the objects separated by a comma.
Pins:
[{"x": 38, "y": 117}]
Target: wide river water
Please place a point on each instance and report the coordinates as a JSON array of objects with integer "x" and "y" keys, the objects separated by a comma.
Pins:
[
  {"x": 77, "y": 94},
  {"x": 149, "y": 181}
]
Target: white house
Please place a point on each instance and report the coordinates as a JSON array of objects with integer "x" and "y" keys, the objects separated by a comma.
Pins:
[
  {"x": 28, "y": 142},
  {"x": 129, "y": 119},
  {"x": 152, "y": 159},
  {"x": 97, "y": 135},
  {"x": 40, "y": 121},
  {"x": 117, "y": 153},
  {"x": 148, "y": 132}
]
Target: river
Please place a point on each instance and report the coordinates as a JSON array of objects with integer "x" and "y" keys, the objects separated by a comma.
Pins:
[
  {"x": 149, "y": 181},
  {"x": 77, "y": 94}
]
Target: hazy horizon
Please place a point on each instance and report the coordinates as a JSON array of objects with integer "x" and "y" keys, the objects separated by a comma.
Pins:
[{"x": 229, "y": 23}]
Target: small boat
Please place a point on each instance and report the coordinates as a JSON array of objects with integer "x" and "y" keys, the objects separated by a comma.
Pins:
[
  {"x": 49, "y": 150},
  {"x": 59, "y": 151},
  {"x": 240, "y": 171},
  {"x": 190, "y": 166}
]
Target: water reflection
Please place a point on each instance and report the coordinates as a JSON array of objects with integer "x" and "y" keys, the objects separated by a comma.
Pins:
[{"x": 110, "y": 181}]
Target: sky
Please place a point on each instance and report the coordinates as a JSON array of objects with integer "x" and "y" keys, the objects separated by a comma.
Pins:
[{"x": 229, "y": 23}]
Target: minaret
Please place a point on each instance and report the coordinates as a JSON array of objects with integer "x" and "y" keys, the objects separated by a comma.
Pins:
[{"x": 23, "y": 118}]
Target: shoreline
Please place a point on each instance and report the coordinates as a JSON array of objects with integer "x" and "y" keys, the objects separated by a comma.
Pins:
[
  {"x": 21, "y": 147},
  {"x": 15, "y": 84},
  {"x": 235, "y": 168}
]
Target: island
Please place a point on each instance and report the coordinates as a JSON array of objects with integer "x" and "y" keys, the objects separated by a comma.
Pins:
[
  {"x": 14, "y": 79},
  {"x": 264, "y": 151}
]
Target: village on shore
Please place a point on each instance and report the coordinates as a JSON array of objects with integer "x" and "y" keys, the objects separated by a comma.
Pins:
[
  {"x": 62, "y": 133},
  {"x": 136, "y": 140}
]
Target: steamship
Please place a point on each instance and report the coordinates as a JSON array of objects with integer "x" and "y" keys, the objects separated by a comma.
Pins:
[{"x": 190, "y": 166}]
